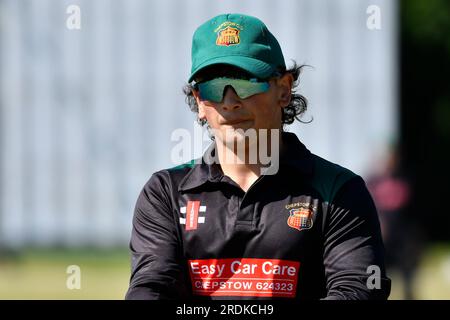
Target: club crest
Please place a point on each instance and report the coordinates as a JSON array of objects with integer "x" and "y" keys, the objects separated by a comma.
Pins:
[
  {"x": 228, "y": 36},
  {"x": 300, "y": 218}
]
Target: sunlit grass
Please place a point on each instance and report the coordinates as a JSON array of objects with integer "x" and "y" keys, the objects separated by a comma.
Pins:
[
  {"x": 41, "y": 274},
  {"x": 432, "y": 280}
]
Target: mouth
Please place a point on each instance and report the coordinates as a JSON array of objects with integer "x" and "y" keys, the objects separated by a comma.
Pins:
[{"x": 236, "y": 122}]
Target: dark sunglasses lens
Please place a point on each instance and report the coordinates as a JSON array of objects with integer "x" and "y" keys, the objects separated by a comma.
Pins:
[{"x": 213, "y": 90}]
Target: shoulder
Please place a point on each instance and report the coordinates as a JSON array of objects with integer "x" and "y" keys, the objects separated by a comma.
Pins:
[
  {"x": 162, "y": 187},
  {"x": 329, "y": 178},
  {"x": 171, "y": 178}
]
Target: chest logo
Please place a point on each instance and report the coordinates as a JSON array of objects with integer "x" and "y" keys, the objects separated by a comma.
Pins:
[
  {"x": 191, "y": 211},
  {"x": 300, "y": 218}
]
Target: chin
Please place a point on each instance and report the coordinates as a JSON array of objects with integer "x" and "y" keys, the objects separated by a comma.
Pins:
[{"x": 241, "y": 136}]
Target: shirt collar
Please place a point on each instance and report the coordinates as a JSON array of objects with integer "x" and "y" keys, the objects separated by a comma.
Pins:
[{"x": 293, "y": 156}]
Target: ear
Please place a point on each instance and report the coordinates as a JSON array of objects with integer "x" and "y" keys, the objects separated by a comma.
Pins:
[
  {"x": 200, "y": 105},
  {"x": 284, "y": 89}
]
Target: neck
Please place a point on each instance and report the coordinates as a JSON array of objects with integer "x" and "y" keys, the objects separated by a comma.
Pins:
[{"x": 245, "y": 166}]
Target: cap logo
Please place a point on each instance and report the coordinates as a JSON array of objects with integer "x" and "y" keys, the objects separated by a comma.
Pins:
[
  {"x": 228, "y": 34},
  {"x": 228, "y": 37}
]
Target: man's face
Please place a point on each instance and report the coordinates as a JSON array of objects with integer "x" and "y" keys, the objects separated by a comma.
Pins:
[{"x": 259, "y": 111}]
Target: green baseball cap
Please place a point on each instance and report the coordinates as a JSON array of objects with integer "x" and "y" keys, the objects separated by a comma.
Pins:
[{"x": 238, "y": 40}]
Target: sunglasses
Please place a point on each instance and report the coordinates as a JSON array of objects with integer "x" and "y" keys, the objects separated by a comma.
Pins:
[{"x": 213, "y": 90}]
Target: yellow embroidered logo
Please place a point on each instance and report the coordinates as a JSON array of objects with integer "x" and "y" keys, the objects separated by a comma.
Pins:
[{"x": 227, "y": 37}]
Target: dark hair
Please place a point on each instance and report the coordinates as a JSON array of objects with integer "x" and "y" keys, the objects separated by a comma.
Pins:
[{"x": 293, "y": 111}]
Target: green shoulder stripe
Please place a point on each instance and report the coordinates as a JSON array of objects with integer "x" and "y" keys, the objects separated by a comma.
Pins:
[
  {"x": 189, "y": 164},
  {"x": 329, "y": 177}
]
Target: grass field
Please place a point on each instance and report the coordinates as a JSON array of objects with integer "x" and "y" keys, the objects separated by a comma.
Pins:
[{"x": 41, "y": 274}]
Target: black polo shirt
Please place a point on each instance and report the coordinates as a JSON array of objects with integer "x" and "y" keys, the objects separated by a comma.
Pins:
[{"x": 310, "y": 231}]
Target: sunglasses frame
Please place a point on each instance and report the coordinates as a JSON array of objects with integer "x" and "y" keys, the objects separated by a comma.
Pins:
[{"x": 244, "y": 88}]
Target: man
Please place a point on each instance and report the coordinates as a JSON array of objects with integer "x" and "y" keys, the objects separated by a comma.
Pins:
[{"x": 230, "y": 226}]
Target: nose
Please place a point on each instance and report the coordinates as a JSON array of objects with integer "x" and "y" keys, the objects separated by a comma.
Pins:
[{"x": 231, "y": 100}]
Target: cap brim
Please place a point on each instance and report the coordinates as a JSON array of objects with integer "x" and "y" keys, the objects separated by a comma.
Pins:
[{"x": 253, "y": 66}]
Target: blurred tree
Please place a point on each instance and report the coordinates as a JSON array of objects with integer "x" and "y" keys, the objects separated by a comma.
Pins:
[{"x": 425, "y": 109}]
